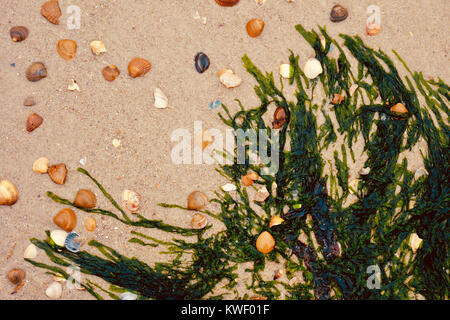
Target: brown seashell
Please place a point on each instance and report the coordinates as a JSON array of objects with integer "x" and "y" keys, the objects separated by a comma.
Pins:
[
  {"x": 372, "y": 29},
  {"x": 199, "y": 221},
  {"x": 255, "y": 27},
  {"x": 227, "y": 3},
  {"x": 51, "y": 11},
  {"x": 66, "y": 49},
  {"x": 18, "y": 33},
  {"x": 85, "y": 199},
  {"x": 90, "y": 224},
  {"x": 197, "y": 200},
  {"x": 138, "y": 67},
  {"x": 110, "y": 73},
  {"x": 58, "y": 173},
  {"x": 16, "y": 276},
  {"x": 131, "y": 200},
  {"x": 279, "y": 118},
  {"x": 338, "y": 13},
  {"x": 265, "y": 242},
  {"x": 275, "y": 220},
  {"x": 33, "y": 121},
  {"x": 249, "y": 178},
  {"x": 36, "y": 71},
  {"x": 337, "y": 99},
  {"x": 8, "y": 193},
  {"x": 66, "y": 219},
  {"x": 277, "y": 274},
  {"x": 399, "y": 108},
  {"x": 29, "y": 101}
]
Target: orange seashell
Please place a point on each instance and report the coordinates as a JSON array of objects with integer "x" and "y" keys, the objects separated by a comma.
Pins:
[
  {"x": 275, "y": 220},
  {"x": 138, "y": 67},
  {"x": 399, "y": 108},
  {"x": 197, "y": 200},
  {"x": 372, "y": 29},
  {"x": 33, "y": 121},
  {"x": 131, "y": 200},
  {"x": 66, "y": 49},
  {"x": 51, "y": 11},
  {"x": 255, "y": 27},
  {"x": 337, "y": 99},
  {"x": 279, "y": 118},
  {"x": 90, "y": 224},
  {"x": 265, "y": 242},
  {"x": 227, "y": 3},
  {"x": 58, "y": 173},
  {"x": 110, "y": 73},
  {"x": 66, "y": 219},
  {"x": 85, "y": 199},
  {"x": 36, "y": 71}
]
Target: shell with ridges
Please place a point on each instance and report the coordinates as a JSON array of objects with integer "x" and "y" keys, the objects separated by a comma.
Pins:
[
  {"x": 255, "y": 27},
  {"x": 58, "y": 173},
  {"x": 18, "y": 33},
  {"x": 73, "y": 242},
  {"x": 66, "y": 219},
  {"x": 51, "y": 11},
  {"x": 265, "y": 242},
  {"x": 36, "y": 71},
  {"x": 58, "y": 237},
  {"x": 199, "y": 221},
  {"x": 138, "y": 67},
  {"x": 8, "y": 193},
  {"x": 85, "y": 199},
  {"x": 54, "y": 290},
  {"x": 66, "y": 48},
  {"x": 312, "y": 68},
  {"x": 197, "y": 200},
  {"x": 30, "y": 252},
  {"x": 161, "y": 100}
]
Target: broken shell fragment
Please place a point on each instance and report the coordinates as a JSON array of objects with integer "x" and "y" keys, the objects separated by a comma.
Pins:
[
  {"x": 227, "y": 3},
  {"x": 228, "y": 187},
  {"x": 275, "y": 220},
  {"x": 201, "y": 62},
  {"x": 58, "y": 237},
  {"x": 54, "y": 290},
  {"x": 262, "y": 194},
  {"x": 399, "y": 108},
  {"x": 197, "y": 200},
  {"x": 199, "y": 221},
  {"x": 265, "y": 242},
  {"x": 41, "y": 165},
  {"x": 110, "y": 73},
  {"x": 161, "y": 100},
  {"x": 138, "y": 67},
  {"x": 66, "y": 49},
  {"x": 338, "y": 13},
  {"x": 415, "y": 241},
  {"x": 97, "y": 47},
  {"x": 279, "y": 117},
  {"x": 312, "y": 68},
  {"x": 51, "y": 11},
  {"x": 30, "y": 252},
  {"x": 33, "y": 122},
  {"x": 131, "y": 200},
  {"x": 229, "y": 79},
  {"x": 85, "y": 199},
  {"x": 90, "y": 224},
  {"x": 278, "y": 273},
  {"x": 36, "y": 71},
  {"x": 73, "y": 242},
  {"x": 66, "y": 219},
  {"x": 337, "y": 99},
  {"x": 286, "y": 70},
  {"x": 8, "y": 193},
  {"x": 372, "y": 29},
  {"x": 58, "y": 173},
  {"x": 18, "y": 33},
  {"x": 249, "y": 178},
  {"x": 128, "y": 296},
  {"x": 29, "y": 101},
  {"x": 255, "y": 27},
  {"x": 73, "y": 86}
]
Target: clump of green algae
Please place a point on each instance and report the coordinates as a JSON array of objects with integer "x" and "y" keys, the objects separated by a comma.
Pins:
[{"x": 373, "y": 230}]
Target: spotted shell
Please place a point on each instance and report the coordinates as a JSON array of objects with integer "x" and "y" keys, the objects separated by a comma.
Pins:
[
  {"x": 66, "y": 48},
  {"x": 18, "y": 33},
  {"x": 138, "y": 67},
  {"x": 51, "y": 11},
  {"x": 66, "y": 219}
]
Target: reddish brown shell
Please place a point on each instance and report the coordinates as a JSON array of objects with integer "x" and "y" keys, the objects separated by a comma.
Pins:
[
  {"x": 66, "y": 48},
  {"x": 66, "y": 219},
  {"x": 18, "y": 33},
  {"x": 138, "y": 67},
  {"x": 279, "y": 118},
  {"x": 58, "y": 173},
  {"x": 110, "y": 73},
  {"x": 227, "y": 3},
  {"x": 255, "y": 27},
  {"x": 197, "y": 200},
  {"x": 51, "y": 11},
  {"x": 33, "y": 121},
  {"x": 36, "y": 71},
  {"x": 85, "y": 199}
]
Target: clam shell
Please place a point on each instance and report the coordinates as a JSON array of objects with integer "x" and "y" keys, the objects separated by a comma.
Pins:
[
  {"x": 265, "y": 242},
  {"x": 29, "y": 101},
  {"x": 229, "y": 79},
  {"x": 131, "y": 200},
  {"x": 85, "y": 199},
  {"x": 66, "y": 219},
  {"x": 51, "y": 11},
  {"x": 73, "y": 242},
  {"x": 18, "y": 33},
  {"x": 255, "y": 27},
  {"x": 201, "y": 62},
  {"x": 30, "y": 252},
  {"x": 54, "y": 290},
  {"x": 199, "y": 221},
  {"x": 279, "y": 117},
  {"x": 90, "y": 224},
  {"x": 58, "y": 237},
  {"x": 338, "y": 13},
  {"x": 36, "y": 71},
  {"x": 249, "y": 178},
  {"x": 197, "y": 200},
  {"x": 8, "y": 193},
  {"x": 41, "y": 165},
  {"x": 33, "y": 122},
  {"x": 399, "y": 108},
  {"x": 275, "y": 220},
  {"x": 138, "y": 67},
  {"x": 312, "y": 68},
  {"x": 110, "y": 73},
  {"x": 286, "y": 71},
  {"x": 128, "y": 296},
  {"x": 97, "y": 47},
  {"x": 66, "y": 48},
  {"x": 16, "y": 276},
  {"x": 227, "y": 3},
  {"x": 161, "y": 100},
  {"x": 58, "y": 173},
  {"x": 372, "y": 29}
]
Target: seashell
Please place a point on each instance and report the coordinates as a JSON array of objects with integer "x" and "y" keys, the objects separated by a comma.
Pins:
[
  {"x": 54, "y": 290},
  {"x": 275, "y": 220},
  {"x": 229, "y": 79},
  {"x": 312, "y": 68},
  {"x": 199, "y": 221},
  {"x": 97, "y": 47},
  {"x": 73, "y": 242},
  {"x": 399, "y": 108},
  {"x": 286, "y": 70},
  {"x": 30, "y": 252},
  {"x": 228, "y": 187},
  {"x": 16, "y": 276},
  {"x": 279, "y": 117},
  {"x": 110, "y": 73},
  {"x": 85, "y": 199},
  {"x": 227, "y": 3},
  {"x": 66, "y": 219},
  {"x": 278, "y": 273},
  {"x": 265, "y": 242},
  {"x": 8, "y": 193},
  {"x": 201, "y": 62},
  {"x": 128, "y": 296},
  {"x": 131, "y": 200},
  {"x": 116, "y": 143},
  {"x": 41, "y": 165},
  {"x": 33, "y": 122},
  {"x": 58, "y": 173},
  {"x": 73, "y": 86},
  {"x": 90, "y": 224},
  {"x": 197, "y": 200},
  {"x": 255, "y": 27},
  {"x": 337, "y": 99},
  {"x": 58, "y": 237},
  {"x": 260, "y": 1},
  {"x": 415, "y": 241},
  {"x": 138, "y": 67},
  {"x": 364, "y": 171},
  {"x": 372, "y": 29},
  {"x": 262, "y": 194},
  {"x": 249, "y": 178},
  {"x": 29, "y": 101},
  {"x": 51, "y": 11},
  {"x": 18, "y": 33},
  {"x": 161, "y": 101},
  {"x": 338, "y": 13},
  {"x": 66, "y": 49},
  {"x": 36, "y": 71}
]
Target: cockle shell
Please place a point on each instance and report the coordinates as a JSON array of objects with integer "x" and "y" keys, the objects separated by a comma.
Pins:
[
  {"x": 338, "y": 13},
  {"x": 131, "y": 200},
  {"x": 85, "y": 199},
  {"x": 275, "y": 220},
  {"x": 16, "y": 276},
  {"x": 8, "y": 193},
  {"x": 30, "y": 252},
  {"x": 161, "y": 100},
  {"x": 227, "y": 3},
  {"x": 18, "y": 33},
  {"x": 58, "y": 237},
  {"x": 90, "y": 224},
  {"x": 66, "y": 219},
  {"x": 54, "y": 290},
  {"x": 138, "y": 67},
  {"x": 286, "y": 70},
  {"x": 36, "y": 71},
  {"x": 58, "y": 173},
  {"x": 197, "y": 200},
  {"x": 110, "y": 73},
  {"x": 199, "y": 221},
  {"x": 73, "y": 242},
  {"x": 312, "y": 68},
  {"x": 229, "y": 79},
  {"x": 66, "y": 49},
  {"x": 265, "y": 242},
  {"x": 33, "y": 121},
  {"x": 41, "y": 165},
  {"x": 255, "y": 27},
  {"x": 97, "y": 47},
  {"x": 51, "y": 11}
]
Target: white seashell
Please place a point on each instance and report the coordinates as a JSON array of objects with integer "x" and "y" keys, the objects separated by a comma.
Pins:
[
  {"x": 286, "y": 71},
  {"x": 312, "y": 68},
  {"x": 30, "y": 252},
  {"x": 414, "y": 242},
  {"x": 131, "y": 200},
  {"x": 59, "y": 237},
  {"x": 73, "y": 86},
  {"x": 59, "y": 279},
  {"x": 83, "y": 161},
  {"x": 229, "y": 79},
  {"x": 97, "y": 47},
  {"x": 54, "y": 290},
  {"x": 364, "y": 171},
  {"x": 116, "y": 143},
  {"x": 128, "y": 296},
  {"x": 161, "y": 100},
  {"x": 228, "y": 187},
  {"x": 262, "y": 194},
  {"x": 41, "y": 165}
]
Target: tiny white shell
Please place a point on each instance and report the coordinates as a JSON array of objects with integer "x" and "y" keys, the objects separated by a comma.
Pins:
[
  {"x": 59, "y": 237},
  {"x": 128, "y": 296},
  {"x": 364, "y": 171},
  {"x": 30, "y": 252},
  {"x": 312, "y": 68},
  {"x": 161, "y": 101},
  {"x": 54, "y": 290},
  {"x": 286, "y": 71},
  {"x": 228, "y": 187},
  {"x": 73, "y": 86},
  {"x": 229, "y": 79}
]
